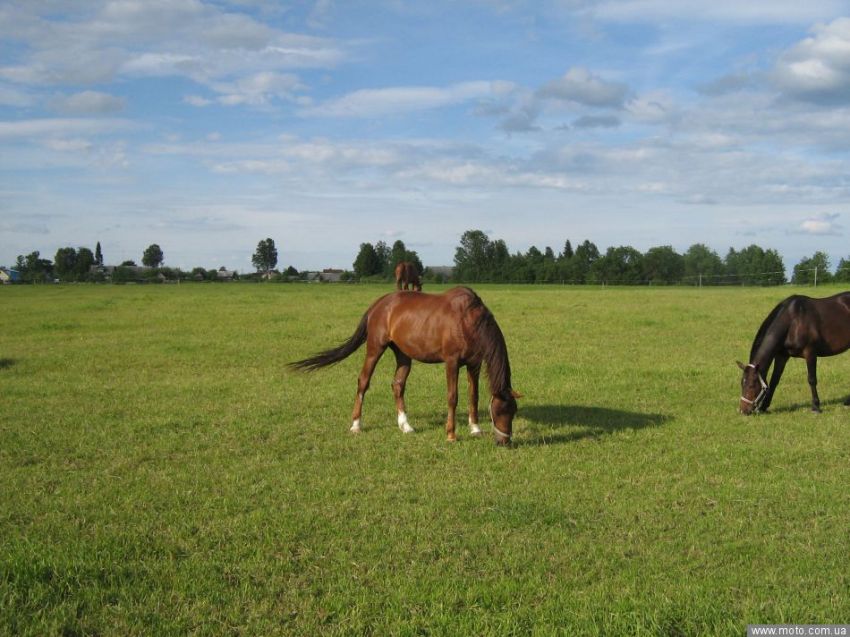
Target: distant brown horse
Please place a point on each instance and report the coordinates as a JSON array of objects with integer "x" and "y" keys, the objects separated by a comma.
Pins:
[
  {"x": 407, "y": 274},
  {"x": 455, "y": 328},
  {"x": 799, "y": 326}
]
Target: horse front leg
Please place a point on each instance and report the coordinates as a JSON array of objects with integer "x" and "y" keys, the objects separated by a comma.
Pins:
[
  {"x": 373, "y": 355},
  {"x": 402, "y": 371},
  {"x": 452, "y": 370},
  {"x": 812, "y": 367},
  {"x": 472, "y": 375},
  {"x": 778, "y": 368}
]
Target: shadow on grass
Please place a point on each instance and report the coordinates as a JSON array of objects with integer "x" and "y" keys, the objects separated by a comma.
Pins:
[
  {"x": 578, "y": 422},
  {"x": 806, "y": 406},
  {"x": 5, "y": 363}
]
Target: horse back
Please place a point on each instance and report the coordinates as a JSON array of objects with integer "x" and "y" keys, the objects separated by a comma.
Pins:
[
  {"x": 822, "y": 324},
  {"x": 426, "y": 327}
]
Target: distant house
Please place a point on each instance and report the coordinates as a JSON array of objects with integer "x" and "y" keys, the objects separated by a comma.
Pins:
[
  {"x": 9, "y": 276},
  {"x": 109, "y": 270},
  {"x": 224, "y": 274},
  {"x": 441, "y": 272},
  {"x": 330, "y": 275}
]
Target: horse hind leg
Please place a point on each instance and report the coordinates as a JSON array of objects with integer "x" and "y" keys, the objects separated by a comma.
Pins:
[
  {"x": 373, "y": 355},
  {"x": 402, "y": 371},
  {"x": 452, "y": 369},
  {"x": 812, "y": 368},
  {"x": 472, "y": 375}
]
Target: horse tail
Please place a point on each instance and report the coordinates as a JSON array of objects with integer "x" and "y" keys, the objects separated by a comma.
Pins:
[{"x": 335, "y": 355}]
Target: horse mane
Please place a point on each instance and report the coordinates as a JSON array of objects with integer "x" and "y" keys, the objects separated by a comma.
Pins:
[
  {"x": 494, "y": 350},
  {"x": 766, "y": 325}
]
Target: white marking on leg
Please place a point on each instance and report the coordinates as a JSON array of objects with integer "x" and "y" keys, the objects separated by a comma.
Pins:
[
  {"x": 403, "y": 424},
  {"x": 355, "y": 427},
  {"x": 474, "y": 429}
]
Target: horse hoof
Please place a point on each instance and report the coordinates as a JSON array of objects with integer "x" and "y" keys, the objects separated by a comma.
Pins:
[
  {"x": 816, "y": 410},
  {"x": 474, "y": 430},
  {"x": 355, "y": 430},
  {"x": 403, "y": 424},
  {"x": 451, "y": 438}
]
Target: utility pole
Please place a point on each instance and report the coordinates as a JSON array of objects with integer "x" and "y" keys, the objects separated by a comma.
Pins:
[{"x": 816, "y": 276}]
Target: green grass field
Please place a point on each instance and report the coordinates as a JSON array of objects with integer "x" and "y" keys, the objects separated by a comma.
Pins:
[{"x": 163, "y": 473}]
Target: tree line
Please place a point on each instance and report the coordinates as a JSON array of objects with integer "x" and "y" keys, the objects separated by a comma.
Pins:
[{"x": 478, "y": 259}]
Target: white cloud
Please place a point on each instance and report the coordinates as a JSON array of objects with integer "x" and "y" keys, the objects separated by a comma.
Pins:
[
  {"x": 823, "y": 224},
  {"x": 405, "y": 99},
  {"x": 88, "y": 103},
  {"x": 68, "y": 145},
  {"x": 58, "y": 127},
  {"x": 773, "y": 12},
  {"x": 153, "y": 38},
  {"x": 583, "y": 87},
  {"x": 258, "y": 89},
  {"x": 196, "y": 100},
  {"x": 12, "y": 96},
  {"x": 818, "y": 68}
]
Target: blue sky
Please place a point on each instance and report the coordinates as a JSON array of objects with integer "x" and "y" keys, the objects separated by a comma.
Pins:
[{"x": 208, "y": 126}]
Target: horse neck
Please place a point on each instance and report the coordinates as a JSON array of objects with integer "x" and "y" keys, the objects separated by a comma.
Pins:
[
  {"x": 496, "y": 360},
  {"x": 768, "y": 342}
]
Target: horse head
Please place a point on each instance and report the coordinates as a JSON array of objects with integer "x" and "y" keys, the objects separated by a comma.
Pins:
[
  {"x": 753, "y": 389},
  {"x": 503, "y": 408}
]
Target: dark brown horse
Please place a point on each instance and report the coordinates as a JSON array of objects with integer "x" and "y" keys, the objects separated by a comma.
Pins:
[
  {"x": 801, "y": 327},
  {"x": 407, "y": 274},
  {"x": 455, "y": 328}
]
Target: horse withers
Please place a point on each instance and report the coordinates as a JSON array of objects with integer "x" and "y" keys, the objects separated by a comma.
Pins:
[
  {"x": 407, "y": 276},
  {"x": 801, "y": 327},
  {"x": 455, "y": 328}
]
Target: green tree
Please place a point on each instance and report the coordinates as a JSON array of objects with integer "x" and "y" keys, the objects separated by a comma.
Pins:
[
  {"x": 579, "y": 266},
  {"x": 472, "y": 257},
  {"x": 842, "y": 272},
  {"x": 663, "y": 265},
  {"x": 703, "y": 266},
  {"x": 755, "y": 266},
  {"x": 65, "y": 263},
  {"x": 85, "y": 260},
  {"x": 622, "y": 265},
  {"x": 499, "y": 261},
  {"x": 398, "y": 253},
  {"x": 811, "y": 270},
  {"x": 33, "y": 268},
  {"x": 264, "y": 258},
  {"x": 549, "y": 272},
  {"x": 152, "y": 256},
  {"x": 367, "y": 263},
  {"x": 98, "y": 255},
  {"x": 384, "y": 254}
]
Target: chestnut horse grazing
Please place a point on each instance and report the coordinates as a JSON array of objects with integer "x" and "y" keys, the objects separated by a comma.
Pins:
[
  {"x": 407, "y": 274},
  {"x": 454, "y": 328},
  {"x": 801, "y": 327}
]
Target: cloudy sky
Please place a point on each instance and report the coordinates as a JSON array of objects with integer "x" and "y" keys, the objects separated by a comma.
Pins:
[{"x": 206, "y": 126}]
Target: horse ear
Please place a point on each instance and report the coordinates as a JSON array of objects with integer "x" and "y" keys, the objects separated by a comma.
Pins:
[{"x": 741, "y": 365}]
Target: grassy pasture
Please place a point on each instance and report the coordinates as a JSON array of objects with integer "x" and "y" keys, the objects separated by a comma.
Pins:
[{"x": 161, "y": 472}]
